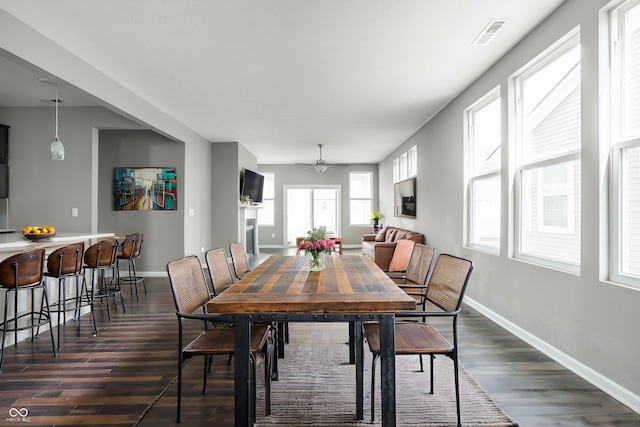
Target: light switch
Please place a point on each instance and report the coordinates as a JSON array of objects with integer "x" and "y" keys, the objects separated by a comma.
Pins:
[
  {"x": 192, "y": 212},
  {"x": 74, "y": 212}
]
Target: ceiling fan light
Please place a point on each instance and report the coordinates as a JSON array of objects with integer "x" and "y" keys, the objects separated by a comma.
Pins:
[{"x": 320, "y": 168}]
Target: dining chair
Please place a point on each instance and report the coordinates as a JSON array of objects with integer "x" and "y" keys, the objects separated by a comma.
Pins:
[
  {"x": 445, "y": 291},
  {"x": 239, "y": 259},
  {"x": 129, "y": 252},
  {"x": 414, "y": 279},
  {"x": 20, "y": 273},
  {"x": 219, "y": 270},
  {"x": 190, "y": 294}
]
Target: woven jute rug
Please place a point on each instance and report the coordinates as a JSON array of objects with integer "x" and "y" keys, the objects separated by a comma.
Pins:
[{"x": 317, "y": 387}]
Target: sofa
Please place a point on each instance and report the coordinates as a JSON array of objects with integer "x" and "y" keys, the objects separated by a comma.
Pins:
[{"x": 380, "y": 247}]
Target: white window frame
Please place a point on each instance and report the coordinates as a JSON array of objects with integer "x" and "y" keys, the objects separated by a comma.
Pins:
[
  {"x": 620, "y": 140},
  {"x": 474, "y": 177},
  {"x": 358, "y": 197},
  {"x": 555, "y": 51}
]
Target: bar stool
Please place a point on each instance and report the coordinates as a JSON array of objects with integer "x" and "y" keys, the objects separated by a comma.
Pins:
[
  {"x": 130, "y": 250},
  {"x": 98, "y": 258},
  {"x": 66, "y": 263},
  {"x": 24, "y": 272}
]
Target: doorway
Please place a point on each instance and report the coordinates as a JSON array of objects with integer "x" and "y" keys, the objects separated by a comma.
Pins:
[{"x": 311, "y": 207}]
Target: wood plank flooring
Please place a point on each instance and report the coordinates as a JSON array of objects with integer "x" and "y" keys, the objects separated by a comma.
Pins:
[{"x": 110, "y": 379}]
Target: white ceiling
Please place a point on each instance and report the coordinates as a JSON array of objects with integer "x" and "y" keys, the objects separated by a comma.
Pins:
[{"x": 279, "y": 76}]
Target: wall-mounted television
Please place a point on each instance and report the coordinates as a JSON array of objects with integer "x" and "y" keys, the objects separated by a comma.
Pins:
[
  {"x": 404, "y": 196},
  {"x": 251, "y": 184}
]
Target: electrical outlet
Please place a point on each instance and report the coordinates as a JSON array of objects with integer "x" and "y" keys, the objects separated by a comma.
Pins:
[{"x": 273, "y": 235}]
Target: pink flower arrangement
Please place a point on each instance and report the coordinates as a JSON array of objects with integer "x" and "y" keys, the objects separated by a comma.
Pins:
[
  {"x": 317, "y": 242},
  {"x": 324, "y": 245}
]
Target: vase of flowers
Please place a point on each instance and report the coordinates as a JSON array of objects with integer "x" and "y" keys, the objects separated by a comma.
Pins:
[{"x": 316, "y": 245}]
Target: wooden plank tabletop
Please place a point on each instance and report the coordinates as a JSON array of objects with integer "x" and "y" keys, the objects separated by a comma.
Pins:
[{"x": 284, "y": 284}]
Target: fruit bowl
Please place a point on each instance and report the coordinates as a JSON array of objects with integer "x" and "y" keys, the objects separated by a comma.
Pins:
[{"x": 38, "y": 233}]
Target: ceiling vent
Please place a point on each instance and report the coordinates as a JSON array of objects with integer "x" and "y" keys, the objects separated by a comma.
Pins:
[{"x": 489, "y": 31}]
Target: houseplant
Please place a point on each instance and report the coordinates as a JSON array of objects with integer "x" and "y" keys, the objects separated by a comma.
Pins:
[
  {"x": 316, "y": 245},
  {"x": 376, "y": 216}
]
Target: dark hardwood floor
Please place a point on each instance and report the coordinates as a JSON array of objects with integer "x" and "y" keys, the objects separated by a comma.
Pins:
[{"x": 110, "y": 379}]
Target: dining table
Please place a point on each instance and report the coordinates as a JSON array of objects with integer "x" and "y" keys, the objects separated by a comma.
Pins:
[{"x": 350, "y": 288}]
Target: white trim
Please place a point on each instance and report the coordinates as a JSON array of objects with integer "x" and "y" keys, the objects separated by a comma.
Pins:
[{"x": 615, "y": 390}]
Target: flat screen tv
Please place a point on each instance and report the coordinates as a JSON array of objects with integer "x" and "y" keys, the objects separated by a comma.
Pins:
[
  {"x": 251, "y": 184},
  {"x": 404, "y": 195}
]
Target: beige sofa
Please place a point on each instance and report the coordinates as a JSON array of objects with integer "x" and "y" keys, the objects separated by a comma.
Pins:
[{"x": 379, "y": 247}]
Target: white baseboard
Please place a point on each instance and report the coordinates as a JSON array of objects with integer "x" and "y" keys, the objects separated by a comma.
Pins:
[{"x": 615, "y": 390}]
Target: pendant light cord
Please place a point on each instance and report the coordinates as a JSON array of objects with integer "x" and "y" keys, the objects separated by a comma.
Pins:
[{"x": 56, "y": 111}]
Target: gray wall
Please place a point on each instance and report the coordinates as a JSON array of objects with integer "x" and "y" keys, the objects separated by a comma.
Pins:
[
  {"x": 302, "y": 175},
  {"x": 581, "y": 320},
  {"x": 161, "y": 229},
  {"x": 42, "y": 191},
  {"x": 227, "y": 160}
]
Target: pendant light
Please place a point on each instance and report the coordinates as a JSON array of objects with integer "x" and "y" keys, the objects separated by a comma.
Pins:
[{"x": 56, "y": 149}]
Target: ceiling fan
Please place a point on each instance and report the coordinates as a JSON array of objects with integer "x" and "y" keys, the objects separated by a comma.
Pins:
[{"x": 319, "y": 165}]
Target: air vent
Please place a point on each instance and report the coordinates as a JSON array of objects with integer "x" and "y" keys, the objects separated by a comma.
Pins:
[{"x": 489, "y": 31}]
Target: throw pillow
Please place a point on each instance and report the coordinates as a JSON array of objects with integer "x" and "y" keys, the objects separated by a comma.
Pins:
[
  {"x": 401, "y": 255},
  {"x": 381, "y": 234},
  {"x": 391, "y": 235}
]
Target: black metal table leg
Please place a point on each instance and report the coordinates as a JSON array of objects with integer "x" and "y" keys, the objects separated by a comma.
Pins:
[
  {"x": 388, "y": 369},
  {"x": 243, "y": 416},
  {"x": 359, "y": 360}
]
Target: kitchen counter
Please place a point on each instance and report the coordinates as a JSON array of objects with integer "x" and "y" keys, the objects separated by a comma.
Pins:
[{"x": 11, "y": 243}]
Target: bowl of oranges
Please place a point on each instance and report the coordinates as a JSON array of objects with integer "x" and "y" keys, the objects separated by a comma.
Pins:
[{"x": 39, "y": 233}]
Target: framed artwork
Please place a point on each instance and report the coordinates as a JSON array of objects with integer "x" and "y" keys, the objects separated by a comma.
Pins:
[{"x": 153, "y": 189}]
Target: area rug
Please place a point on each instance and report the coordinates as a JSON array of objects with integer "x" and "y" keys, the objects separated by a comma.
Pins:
[{"x": 317, "y": 387}]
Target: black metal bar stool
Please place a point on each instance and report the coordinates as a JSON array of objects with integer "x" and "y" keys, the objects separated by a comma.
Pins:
[
  {"x": 99, "y": 258},
  {"x": 66, "y": 263},
  {"x": 129, "y": 251},
  {"x": 24, "y": 272}
]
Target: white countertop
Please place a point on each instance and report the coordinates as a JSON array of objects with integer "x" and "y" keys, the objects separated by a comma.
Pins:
[{"x": 12, "y": 242}]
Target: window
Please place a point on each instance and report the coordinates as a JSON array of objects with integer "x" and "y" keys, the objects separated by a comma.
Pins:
[
  {"x": 625, "y": 140},
  {"x": 412, "y": 167},
  {"x": 267, "y": 215},
  {"x": 406, "y": 165},
  {"x": 483, "y": 140},
  {"x": 360, "y": 194},
  {"x": 548, "y": 147},
  {"x": 396, "y": 170}
]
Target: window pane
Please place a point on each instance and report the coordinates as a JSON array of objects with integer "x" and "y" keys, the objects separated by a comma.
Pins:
[
  {"x": 403, "y": 166},
  {"x": 550, "y": 116},
  {"x": 550, "y": 206},
  {"x": 360, "y": 185},
  {"x": 485, "y": 211},
  {"x": 631, "y": 74},
  {"x": 360, "y": 212},
  {"x": 325, "y": 209},
  {"x": 268, "y": 190},
  {"x": 486, "y": 138},
  {"x": 266, "y": 215},
  {"x": 413, "y": 161},
  {"x": 396, "y": 170},
  {"x": 630, "y": 212}
]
